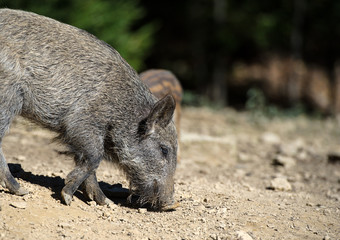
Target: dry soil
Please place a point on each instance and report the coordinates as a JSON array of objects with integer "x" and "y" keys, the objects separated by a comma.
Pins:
[{"x": 239, "y": 177}]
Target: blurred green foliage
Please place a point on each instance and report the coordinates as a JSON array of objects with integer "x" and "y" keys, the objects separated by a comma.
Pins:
[
  {"x": 256, "y": 103},
  {"x": 261, "y": 109},
  {"x": 193, "y": 99},
  {"x": 115, "y": 22},
  {"x": 112, "y": 21}
]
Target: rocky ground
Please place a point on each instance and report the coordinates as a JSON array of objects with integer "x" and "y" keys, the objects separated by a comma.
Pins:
[{"x": 237, "y": 179}]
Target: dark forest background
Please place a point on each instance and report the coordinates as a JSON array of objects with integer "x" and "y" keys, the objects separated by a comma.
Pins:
[{"x": 225, "y": 52}]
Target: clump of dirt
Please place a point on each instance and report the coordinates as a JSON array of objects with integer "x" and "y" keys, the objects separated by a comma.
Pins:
[{"x": 237, "y": 179}]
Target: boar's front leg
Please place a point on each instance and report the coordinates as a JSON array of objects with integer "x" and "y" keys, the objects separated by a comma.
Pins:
[
  {"x": 92, "y": 190},
  {"x": 76, "y": 177},
  {"x": 86, "y": 143}
]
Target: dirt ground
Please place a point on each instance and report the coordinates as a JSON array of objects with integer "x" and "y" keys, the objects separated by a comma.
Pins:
[{"x": 237, "y": 179}]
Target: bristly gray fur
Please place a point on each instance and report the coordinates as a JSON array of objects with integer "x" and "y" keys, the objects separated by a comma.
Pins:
[{"x": 70, "y": 82}]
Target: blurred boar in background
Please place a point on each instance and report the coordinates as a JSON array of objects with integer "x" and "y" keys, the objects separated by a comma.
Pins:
[{"x": 162, "y": 82}]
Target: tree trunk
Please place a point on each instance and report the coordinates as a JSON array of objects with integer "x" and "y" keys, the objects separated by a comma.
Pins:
[{"x": 219, "y": 68}]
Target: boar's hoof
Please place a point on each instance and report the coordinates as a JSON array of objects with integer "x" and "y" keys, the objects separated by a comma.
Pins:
[
  {"x": 94, "y": 192},
  {"x": 21, "y": 191},
  {"x": 17, "y": 191},
  {"x": 67, "y": 198},
  {"x": 103, "y": 202}
]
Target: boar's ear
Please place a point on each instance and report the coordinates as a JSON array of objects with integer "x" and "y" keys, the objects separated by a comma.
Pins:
[{"x": 161, "y": 115}]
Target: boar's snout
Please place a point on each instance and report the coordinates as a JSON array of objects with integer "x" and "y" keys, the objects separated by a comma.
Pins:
[
  {"x": 159, "y": 195},
  {"x": 164, "y": 196}
]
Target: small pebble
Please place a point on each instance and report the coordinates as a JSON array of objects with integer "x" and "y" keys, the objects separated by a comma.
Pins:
[
  {"x": 280, "y": 184},
  {"x": 106, "y": 214},
  {"x": 20, "y": 205},
  {"x": 201, "y": 208},
  {"x": 21, "y": 158},
  {"x": 270, "y": 138},
  {"x": 64, "y": 225},
  {"x": 326, "y": 212},
  {"x": 286, "y": 162},
  {"x": 244, "y": 158},
  {"x": 142, "y": 210},
  {"x": 111, "y": 206},
  {"x": 293, "y": 148},
  {"x": 242, "y": 235}
]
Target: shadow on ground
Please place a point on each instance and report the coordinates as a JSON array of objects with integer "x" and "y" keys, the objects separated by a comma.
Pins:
[{"x": 115, "y": 192}]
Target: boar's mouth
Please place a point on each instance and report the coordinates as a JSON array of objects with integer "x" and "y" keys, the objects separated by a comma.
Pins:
[
  {"x": 159, "y": 199},
  {"x": 170, "y": 207}
]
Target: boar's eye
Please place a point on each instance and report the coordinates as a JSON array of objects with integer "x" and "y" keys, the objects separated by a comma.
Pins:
[{"x": 165, "y": 151}]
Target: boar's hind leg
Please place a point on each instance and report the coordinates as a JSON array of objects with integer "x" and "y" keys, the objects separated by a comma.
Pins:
[
  {"x": 92, "y": 190},
  {"x": 9, "y": 107},
  {"x": 6, "y": 178}
]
